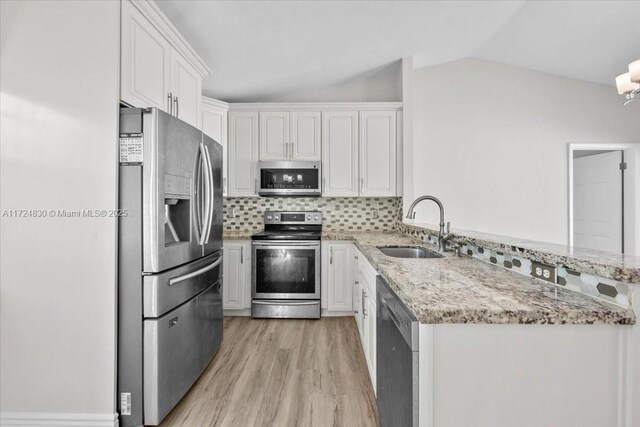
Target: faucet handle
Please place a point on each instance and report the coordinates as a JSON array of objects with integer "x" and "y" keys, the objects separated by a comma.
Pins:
[
  {"x": 448, "y": 226},
  {"x": 413, "y": 216}
]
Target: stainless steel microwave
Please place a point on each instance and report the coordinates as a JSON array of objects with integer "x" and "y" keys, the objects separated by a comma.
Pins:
[{"x": 289, "y": 179}]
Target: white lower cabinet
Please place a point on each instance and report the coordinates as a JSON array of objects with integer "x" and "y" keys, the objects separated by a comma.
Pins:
[
  {"x": 236, "y": 288},
  {"x": 337, "y": 276},
  {"x": 365, "y": 310}
]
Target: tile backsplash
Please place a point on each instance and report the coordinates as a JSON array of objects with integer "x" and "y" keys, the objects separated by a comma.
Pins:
[{"x": 242, "y": 214}]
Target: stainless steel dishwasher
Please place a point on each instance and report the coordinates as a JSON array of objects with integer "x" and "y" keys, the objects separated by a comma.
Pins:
[{"x": 397, "y": 360}]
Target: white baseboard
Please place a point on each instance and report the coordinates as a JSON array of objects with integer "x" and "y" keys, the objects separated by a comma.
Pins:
[
  {"x": 47, "y": 419},
  {"x": 326, "y": 313}
]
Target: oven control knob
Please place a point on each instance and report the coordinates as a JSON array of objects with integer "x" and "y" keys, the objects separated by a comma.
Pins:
[
  {"x": 269, "y": 217},
  {"x": 309, "y": 217},
  {"x": 277, "y": 218},
  {"x": 317, "y": 218}
]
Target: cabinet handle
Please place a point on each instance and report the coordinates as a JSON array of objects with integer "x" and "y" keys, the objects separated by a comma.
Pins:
[
  {"x": 361, "y": 185},
  {"x": 324, "y": 184},
  {"x": 364, "y": 307},
  {"x": 291, "y": 155},
  {"x": 241, "y": 254},
  {"x": 175, "y": 101},
  {"x": 331, "y": 255},
  {"x": 169, "y": 103},
  {"x": 286, "y": 150},
  {"x": 224, "y": 185},
  {"x": 255, "y": 185}
]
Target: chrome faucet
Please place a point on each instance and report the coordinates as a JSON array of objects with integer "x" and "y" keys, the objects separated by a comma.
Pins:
[{"x": 442, "y": 236}]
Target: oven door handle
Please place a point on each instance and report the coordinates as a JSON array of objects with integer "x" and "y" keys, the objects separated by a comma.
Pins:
[
  {"x": 280, "y": 244},
  {"x": 288, "y": 302}
]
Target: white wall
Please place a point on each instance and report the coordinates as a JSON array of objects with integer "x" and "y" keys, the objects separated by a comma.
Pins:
[
  {"x": 60, "y": 90},
  {"x": 380, "y": 85},
  {"x": 490, "y": 141}
]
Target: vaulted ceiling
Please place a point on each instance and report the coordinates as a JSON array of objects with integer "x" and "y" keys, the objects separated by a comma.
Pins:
[{"x": 266, "y": 49}]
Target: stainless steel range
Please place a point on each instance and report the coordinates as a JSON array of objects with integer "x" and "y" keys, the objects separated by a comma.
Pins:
[{"x": 285, "y": 267}]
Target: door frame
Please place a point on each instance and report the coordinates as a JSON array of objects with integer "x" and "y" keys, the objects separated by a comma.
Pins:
[{"x": 613, "y": 146}]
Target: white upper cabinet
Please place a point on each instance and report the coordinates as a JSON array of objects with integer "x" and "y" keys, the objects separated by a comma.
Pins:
[
  {"x": 146, "y": 59},
  {"x": 187, "y": 91},
  {"x": 305, "y": 135},
  {"x": 158, "y": 68},
  {"x": 274, "y": 135},
  {"x": 340, "y": 153},
  {"x": 243, "y": 153},
  {"x": 291, "y": 135},
  {"x": 377, "y": 153},
  {"x": 214, "y": 125}
]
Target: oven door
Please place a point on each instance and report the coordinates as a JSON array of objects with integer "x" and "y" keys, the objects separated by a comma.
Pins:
[{"x": 285, "y": 270}]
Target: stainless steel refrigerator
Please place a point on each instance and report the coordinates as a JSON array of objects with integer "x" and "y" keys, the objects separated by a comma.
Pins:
[{"x": 169, "y": 261}]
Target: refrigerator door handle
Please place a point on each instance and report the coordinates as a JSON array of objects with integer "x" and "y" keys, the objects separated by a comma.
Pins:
[
  {"x": 207, "y": 194},
  {"x": 188, "y": 276},
  {"x": 199, "y": 192},
  {"x": 209, "y": 168}
]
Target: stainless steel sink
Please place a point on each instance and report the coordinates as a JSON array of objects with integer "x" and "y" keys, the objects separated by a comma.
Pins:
[{"x": 408, "y": 252}]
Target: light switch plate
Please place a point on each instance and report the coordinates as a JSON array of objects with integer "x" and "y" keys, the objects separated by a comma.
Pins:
[{"x": 544, "y": 272}]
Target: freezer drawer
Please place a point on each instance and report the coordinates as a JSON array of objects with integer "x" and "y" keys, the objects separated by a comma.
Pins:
[
  {"x": 177, "y": 348},
  {"x": 165, "y": 291}
]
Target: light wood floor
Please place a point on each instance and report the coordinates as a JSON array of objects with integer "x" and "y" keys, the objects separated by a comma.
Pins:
[{"x": 283, "y": 373}]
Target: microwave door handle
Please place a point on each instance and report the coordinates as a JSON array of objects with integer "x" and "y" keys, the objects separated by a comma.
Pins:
[
  {"x": 193, "y": 274},
  {"x": 209, "y": 168}
]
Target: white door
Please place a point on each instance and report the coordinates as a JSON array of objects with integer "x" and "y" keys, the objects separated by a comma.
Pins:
[
  {"x": 145, "y": 62},
  {"x": 243, "y": 153},
  {"x": 378, "y": 153},
  {"x": 274, "y": 136},
  {"x": 340, "y": 153},
  {"x": 235, "y": 279},
  {"x": 340, "y": 277},
  {"x": 597, "y": 202},
  {"x": 214, "y": 125},
  {"x": 305, "y": 135},
  {"x": 187, "y": 90}
]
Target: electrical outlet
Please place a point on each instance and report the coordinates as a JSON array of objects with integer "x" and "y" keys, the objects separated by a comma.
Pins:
[{"x": 544, "y": 272}]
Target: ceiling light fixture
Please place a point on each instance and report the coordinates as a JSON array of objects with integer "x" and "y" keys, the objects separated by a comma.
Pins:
[{"x": 628, "y": 84}]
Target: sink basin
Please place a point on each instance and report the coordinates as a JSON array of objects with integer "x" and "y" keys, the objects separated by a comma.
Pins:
[{"x": 408, "y": 252}]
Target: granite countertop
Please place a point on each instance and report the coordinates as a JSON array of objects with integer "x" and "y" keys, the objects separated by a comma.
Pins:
[
  {"x": 465, "y": 290},
  {"x": 620, "y": 267}
]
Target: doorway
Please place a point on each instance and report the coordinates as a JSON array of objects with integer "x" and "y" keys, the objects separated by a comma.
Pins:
[{"x": 604, "y": 196}]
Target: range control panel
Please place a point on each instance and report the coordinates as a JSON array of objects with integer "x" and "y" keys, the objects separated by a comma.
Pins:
[{"x": 293, "y": 217}]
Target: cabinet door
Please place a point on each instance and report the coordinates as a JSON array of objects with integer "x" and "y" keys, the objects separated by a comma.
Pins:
[
  {"x": 274, "y": 135},
  {"x": 145, "y": 62},
  {"x": 214, "y": 125},
  {"x": 187, "y": 90},
  {"x": 235, "y": 279},
  {"x": 378, "y": 153},
  {"x": 357, "y": 302},
  {"x": 371, "y": 338},
  {"x": 340, "y": 153},
  {"x": 243, "y": 150},
  {"x": 305, "y": 135},
  {"x": 340, "y": 277}
]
